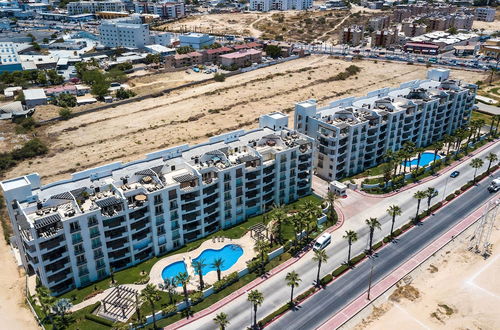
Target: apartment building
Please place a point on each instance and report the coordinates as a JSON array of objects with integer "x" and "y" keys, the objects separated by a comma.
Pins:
[
  {"x": 461, "y": 21},
  {"x": 74, "y": 232},
  {"x": 196, "y": 40},
  {"x": 384, "y": 38},
  {"x": 412, "y": 29},
  {"x": 439, "y": 23},
  {"x": 267, "y": 5},
  {"x": 124, "y": 32},
  {"x": 86, "y": 7},
  {"x": 486, "y": 14},
  {"x": 352, "y": 35},
  {"x": 241, "y": 58},
  {"x": 162, "y": 9},
  {"x": 353, "y": 134},
  {"x": 379, "y": 23}
]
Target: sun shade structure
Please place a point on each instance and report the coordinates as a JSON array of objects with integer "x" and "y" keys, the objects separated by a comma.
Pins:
[
  {"x": 185, "y": 178},
  {"x": 119, "y": 303},
  {"x": 107, "y": 202}
]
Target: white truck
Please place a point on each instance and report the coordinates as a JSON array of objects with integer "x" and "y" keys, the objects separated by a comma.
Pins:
[{"x": 494, "y": 186}]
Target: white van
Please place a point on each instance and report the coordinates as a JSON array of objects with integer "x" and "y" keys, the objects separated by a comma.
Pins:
[{"x": 322, "y": 241}]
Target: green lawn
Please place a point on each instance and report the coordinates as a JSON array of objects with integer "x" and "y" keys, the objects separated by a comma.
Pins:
[{"x": 476, "y": 115}]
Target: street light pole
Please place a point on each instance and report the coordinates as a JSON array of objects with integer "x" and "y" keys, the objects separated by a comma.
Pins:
[{"x": 370, "y": 281}]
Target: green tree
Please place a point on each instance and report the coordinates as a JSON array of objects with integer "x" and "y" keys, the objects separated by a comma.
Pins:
[
  {"x": 219, "y": 77},
  {"x": 448, "y": 140},
  {"x": 198, "y": 269},
  {"x": 151, "y": 294},
  {"x": 273, "y": 51},
  {"x": 65, "y": 100},
  {"x": 393, "y": 211},
  {"x": 320, "y": 257},
  {"x": 292, "y": 280},
  {"x": 419, "y": 152},
  {"x": 218, "y": 263},
  {"x": 183, "y": 279},
  {"x": 331, "y": 199},
  {"x": 256, "y": 298},
  {"x": 437, "y": 147},
  {"x": 351, "y": 236},
  {"x": 278, "y": 216},
  {"x": 54, "y": 78},
  {"x": 452, "y": 30},
  {"x": 261, "y": 247},
  {"x": 491, "y": 157},
  {"x": 41, "y": 78},
  {"x": 153, "y": 58},
  {"x": 372, "y": 225},
  {"x": 100, "y": 89},
  {"x": 221, "y": 320},
  {"x": 430, "y": 194},
  {"x": 45, "y": 299},
  {"x": 476, "y": 163},
  {"x": 123, "y": 93},
  {"x": 65, "y": 113},
  {"x": 419, "y": 195},
  {"x": 185, "y": 49},
  {"x": 169, "y": 285},
  {"x": 61, "y": 308}
]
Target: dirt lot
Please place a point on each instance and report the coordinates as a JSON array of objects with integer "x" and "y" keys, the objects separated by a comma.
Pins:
[
  {"x": 192, "y": 115},
  {"x": 456, "y": 289}
]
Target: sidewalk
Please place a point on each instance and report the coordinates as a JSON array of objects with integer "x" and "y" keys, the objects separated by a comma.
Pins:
[
  {"x": 385, "y": 284},
  {"x": 430, "y": 177},
  {"x": 254, "y": 283}
]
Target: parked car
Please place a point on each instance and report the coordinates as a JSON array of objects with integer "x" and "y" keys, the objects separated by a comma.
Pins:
[{"x": 454, "y": 174}]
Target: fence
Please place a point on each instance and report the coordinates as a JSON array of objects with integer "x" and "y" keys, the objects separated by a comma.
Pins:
[{"x": 28, "y": 300}]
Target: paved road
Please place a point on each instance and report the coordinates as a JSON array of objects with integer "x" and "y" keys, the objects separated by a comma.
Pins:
[
  {"x": 276, "y": 292},
  {"x": 324, "y": 304}
]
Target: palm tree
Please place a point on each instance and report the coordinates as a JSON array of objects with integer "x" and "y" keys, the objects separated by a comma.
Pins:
[
  {"x": 151, "y": 294},
  {"x": 45, "y": 299},
  {"x": 221, "y": 320},
  {"x": 491, "y": 157},
  {"x": 278, "y": 214},
  {"x": 183, "y": 279},
  {"x": 419, "y": 155},
  {"x": 475, "y": 164},
  {"x": 169, "y": 285},
  {"x": 218, "y": 263},
  {"x": 331, "y": 199},
  {"x": 460, "y": 135},
  {"x": 261, "y": 247},
  {"x": 448, "y": 140},
  {"x": 372, "y": 224},
  {"x": 292, "y": 280},
  {"x": 256, "y": 298},
  {"x": 394, "y": 211},
  {"x": 496, "y": 118},
  {"x": 351, "y": 236},
  {"x": 61, "y": 308},
  {"x": 480, "y": 124},
  {"x": 419, "y": 195},
  {"x": 437, "y": 146},
  {"x": 320, "y": 256},
  {"x": 430, "y": 193},
  {"x": 310, "y": 211},
  {"x": 198, "y": 269}
]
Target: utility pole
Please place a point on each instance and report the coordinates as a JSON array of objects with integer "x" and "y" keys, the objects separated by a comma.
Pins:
[{"x": 370, "y": 281}]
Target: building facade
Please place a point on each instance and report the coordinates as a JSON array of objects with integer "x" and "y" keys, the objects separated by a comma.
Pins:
[
  {"x": 267, "y": 5},
  {"x": 73, "y": 232},
  {"x": 162, "y": 9},
  {"x": 196, "y": 40},
  {"x": 379, "y": 23},
  {"x": 486, "y": 14},
  {"x": 354, "y": 134},
  {"x": 352, "y": 35},
  {"x": 121, "y": 33},
  {"x": 86, "y": 7},
  {"x": 9, "y": 58},
  {"x": 412, "y": 29}
]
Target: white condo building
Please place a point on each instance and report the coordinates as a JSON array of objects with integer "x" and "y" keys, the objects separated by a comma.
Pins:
[
  {"x": 486, "y": 14},
  {"x": 354, "y": 134},
  {"x": 124, "y": 32},
  {"x": 267, "y": 5},
  {"x": 92, "y": 7},
  {"x": 73, "y": 232}
]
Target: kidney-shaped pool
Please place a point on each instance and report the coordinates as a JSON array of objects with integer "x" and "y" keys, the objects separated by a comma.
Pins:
[{"x": 229, "y": 255}]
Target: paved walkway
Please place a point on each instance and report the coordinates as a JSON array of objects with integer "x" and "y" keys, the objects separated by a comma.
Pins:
[{"x": 385, "y": 284}]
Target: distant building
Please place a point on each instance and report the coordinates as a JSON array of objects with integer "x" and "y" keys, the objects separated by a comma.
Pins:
[
  {"x": 421, "y": 48},
  {"x": 34, "y": 97},
  {"x": 486, "y": 14},
  {"x": 267, "y": 5},
  {"x": 9, "y": 59},
  {"x": 462, "y": 21},
  {"x": 384, "y": 38},
  {"x": 412, "y": 29},
  {"x": 379, "y": 23},
  {"x": 121, "y": 33},
  {"x": 159, "y": 49},
  {"x": 86, "y": 7},
  {"x": 352, "y": 35},
  {"x": 241, "y": 58},
  {"x": 439, "y": 23},
  {"x": 491, "y": 48},
  {"x": 161, "y": 38},
  {"x": 162, "y": 9},
  {"x": 6, "y": 24},
  {"x": 196, "y": 40}
]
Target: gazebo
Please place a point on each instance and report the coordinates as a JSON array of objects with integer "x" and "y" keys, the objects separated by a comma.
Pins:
[
  {"x": 119, "y": 303},
  {"x": 257, "y": 231}
]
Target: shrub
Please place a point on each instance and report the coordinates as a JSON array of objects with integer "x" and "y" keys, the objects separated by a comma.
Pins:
[
  {"x": 65, "y": 113},
  {"x": 466, "y": 186},
  {"x": 219, "y": 77},
  {"x": 143, "y": 280},
  {"x": 253, "y": 265},
  {"x": 358, "y": 258},
  {"x": 386, "y": 239},
  {"x": 123, "y": 93},
  {"x": 274, "y": 314},
  {"x": 306, "y": 294},
  {"x": 378, "y": 245},
  {"x": 327, "y": 279},
  {"x": 340, "y": 270},
  {"x": 232, "y": 278},
  {"x": 99, "y": 320},
  {"x": 196, "y": 297},
  {"x": 406, "y": 226},
  {"x": 450, "y": 197},
  {"x": 458, "y": 192},
  {"x": 397, "y": 232},
  {"x": 436, "y": 206},
  {"x": 170, "y": 309},
  {"x": 32, "y": 148},
  {"x": 65, "y": 100}
]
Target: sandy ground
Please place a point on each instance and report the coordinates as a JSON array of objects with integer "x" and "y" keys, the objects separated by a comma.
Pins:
[
  {"x": 13, "y": 312},
  {"x": 455, "y": 289},
  {"x": 193, "y": 115}
]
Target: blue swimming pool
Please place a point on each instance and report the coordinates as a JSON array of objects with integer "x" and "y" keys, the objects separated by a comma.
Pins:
[
  {"x": 172, "y": 270},
  {"x": 229, "y": 253},
  {"x": 425, "y": 159}
]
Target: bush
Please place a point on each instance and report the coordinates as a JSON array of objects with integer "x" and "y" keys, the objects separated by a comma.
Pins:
[
  {"x": 466, "y": 186},
  {"x": 32, "y": 148},
  {"x": 274, "y": 314},
  {"x": 65, "y": 100},
  {"x": 450, "y": 197},
  {"x": 458, "y": 192},
  {"x": 143, "y": 280},
  {"x": 327, "y": 279},
  {"x": 378, "y": 245},
  {"x": 386, "y": 239},
  {"x": 196, "y": 297},
  {"x": 397, "y": 232},
  {"x": 170, "y": 309},
  {"x": 406, "y": 226},
  {"x": 99, "y": 320},
  {"x": 306, "y": 294},
  {"x": 436, "y": 206},
  {"x": 219, "y": 77},
  {"x": 253, "y": 265},
  {"x": 65, "y": 113},
  {"x": 340, "y": 270},
  {"x": 358, "y": 258},
  {"x": 123, "y": 93}
]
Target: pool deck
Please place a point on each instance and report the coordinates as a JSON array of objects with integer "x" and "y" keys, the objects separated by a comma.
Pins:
[{"x": 246, "y": 243}]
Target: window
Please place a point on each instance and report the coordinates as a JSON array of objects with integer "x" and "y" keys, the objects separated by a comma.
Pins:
[
  {"x": 79, "y": 249},
  {"x": 158, "y": 199},
  {"x": 158, "y": 209},
  {"x": 80, "y": 259},
  {"x": 76, "y": 238},
  {"x": 92, "y": 221},
  {"x": 74, "y": 226},
  {"x": 96, "y": 242}
]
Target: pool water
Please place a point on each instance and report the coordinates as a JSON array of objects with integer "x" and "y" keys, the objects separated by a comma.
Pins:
[
  {"x": 172, "y": 270},
  {"x": 425, "y": 159},
  {"x": 229, "y": 253}
]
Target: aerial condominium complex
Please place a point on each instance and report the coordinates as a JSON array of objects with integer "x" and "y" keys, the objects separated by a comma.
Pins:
[
  {"x": 73, "y": 232},
  {"x": 354, "y": 134}
]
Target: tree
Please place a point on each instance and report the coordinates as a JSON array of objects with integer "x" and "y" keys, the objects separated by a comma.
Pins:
[
  {"x": 256, "y": 298},
  {"x": 491, "y": 157},
  {"x": 123, "y": 93},
  {"x": 430, "y": 194},
  {"x": 261, "y": 247},
  {"x": 292, "y": 280},
  {"x": 452, "y": 30},
  {"x": 278, "y": 216},
  {"x": 320, "y": 256},
  {"x": 331, "y": 199},
  {"x": 419, "y": 155},
  {"x": 219, "y": 77},
  {"x": 151, "y": 294},
  {"x": 54, "y": 78},
  {"x": 437, "y": 146},
  {"x": 45, "y": 299},
  {"x": 169, "y": 285},
  {"x": 100, "y": 89},
  {"x": 153, "y": 58},
  {"x": 372, "y": 225},
  {"x": 185, "y": 49},
  {"x": 475, "y": 164},
  {"x": 218, "y": 263},
  {"x": 221, "y": 320},
  {"x": 310, "y": 212},
  {"x": 183, "y": 279},
  {"x": 61, "y": 308},
  {"x": 394, "y": 211},
  {"x": 492, "y": 73},
  {"x": 448, "y": 140},
  {"x": 36, "y": 46},
  {"x": 65, "y": 100},
  {"x": 65, "y": 113},
  {"x": 351, "y": 236},
  {"x": 41, "y": 78},
  {"x": 198, "y": 269},
  {"x": 419, "y": 195},
  {"x": 273, "y": 51}
]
